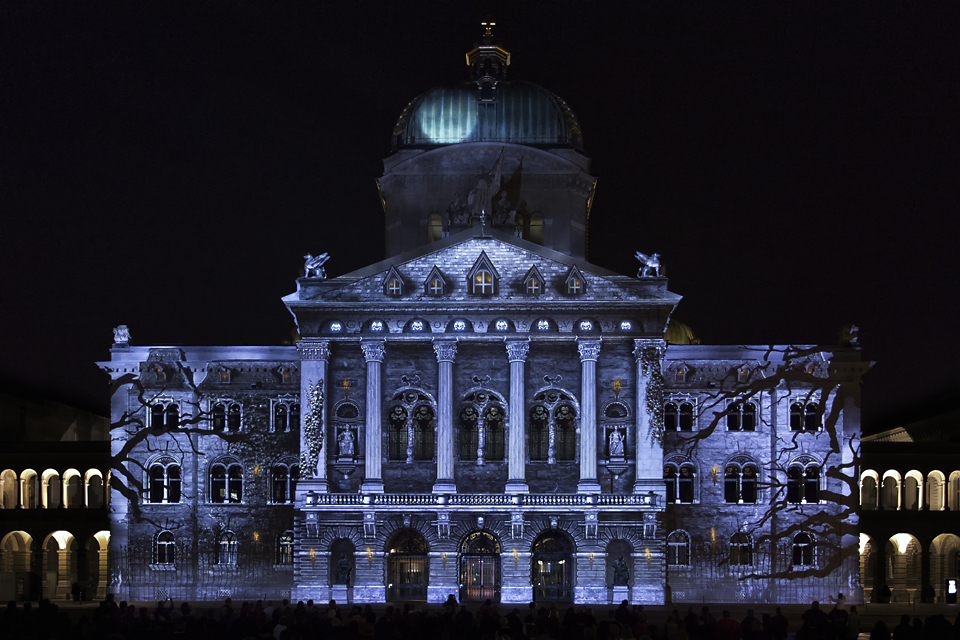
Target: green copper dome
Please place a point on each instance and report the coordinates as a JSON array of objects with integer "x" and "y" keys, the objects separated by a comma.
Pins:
[{"x": 520, "y": 113}]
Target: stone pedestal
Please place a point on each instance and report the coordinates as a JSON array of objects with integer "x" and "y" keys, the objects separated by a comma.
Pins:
[
  {"x": 340, "y": 593},
  {"x": 619, "y": 594}
]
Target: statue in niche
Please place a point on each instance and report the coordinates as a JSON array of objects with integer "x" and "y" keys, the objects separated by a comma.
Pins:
[
  {"x": 621, "y": 574},
  {"x": 343, "y": 570},
  {"x": 457, "y": 212},
  {"x": 504, "y": 213},
  {"x": 651, "y": 265},
  {"x": 345, "y": 441},
  {"x": 487, "y": 183},
  {"x": 616, "y": 444},
  {"x": 313, "y": 265}
]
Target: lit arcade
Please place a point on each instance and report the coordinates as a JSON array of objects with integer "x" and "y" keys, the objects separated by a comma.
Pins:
[{"x": 484, "y": 413}]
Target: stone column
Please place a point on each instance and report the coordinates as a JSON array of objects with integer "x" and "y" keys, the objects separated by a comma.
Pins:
[
  {"x": 446, "y": 354},
  {"x": 314, "y": 355},
  {"x": 516, "y": 456},
  {"x": 589, "y": 350},
  {"x": 104, "y": 564},
  {"x": 373, "y": 353},
  {"x": 649, "y": 455}
]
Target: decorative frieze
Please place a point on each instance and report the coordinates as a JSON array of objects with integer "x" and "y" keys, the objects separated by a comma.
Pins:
[{"x": 314, "y": 350}]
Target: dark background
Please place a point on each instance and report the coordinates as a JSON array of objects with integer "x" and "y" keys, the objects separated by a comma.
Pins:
[{"x": 166, "y": 166}]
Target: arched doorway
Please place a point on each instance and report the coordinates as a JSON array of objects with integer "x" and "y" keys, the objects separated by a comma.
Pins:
[
  {"x": 480, "y": 567},
  {"x": 553, "y": 567},
  {"x": 407, "y": 567}
]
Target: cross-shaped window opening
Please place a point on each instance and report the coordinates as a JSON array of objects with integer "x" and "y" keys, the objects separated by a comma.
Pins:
[
  {"x": 533, "y": 286},
  {"x": 393, "y": 287},
  {"x": 436, "y": 287},
  {"x": 574, "y": 286},
  {"x": 483, "y": 282}
]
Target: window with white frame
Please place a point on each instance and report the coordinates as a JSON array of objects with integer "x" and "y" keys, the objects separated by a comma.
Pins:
[
  {"x": 678, "y": 549},
  {"x": 285, "y": 548},
  {"x": 284, "y": 478},
  {"x": 165, "y": 481},
  {"x": 226, "y": 415},
  {"x": 742, "y": 416},
  {"x": 226, "y": 482},
  {"x": 164, "y": 548},
  {"x": 678, "y": 415},
  {"x": 286, "y": 413},
  {"x": 802, "y": 549},
  {"x": 740, "y": 482},
  {"x": 805, "y": 415},
  {"x": 227, "y": 548},
  {"x": 741, "y": 550},
  {"x": 164, "y": 414},
  {"x": 803, "y": 481}
]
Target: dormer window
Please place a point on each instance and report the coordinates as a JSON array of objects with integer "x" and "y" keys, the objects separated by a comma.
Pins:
[
  {"x": 393, "y": 284},
  {"x": 286, "y": 375},
  {"x": 435, "y": 284},
  {"x": 534, "y": 281},
  {"x": 224, "y": 374},
  {"x": 483, "y": 282},
  {"x": 681, "y": 374},
  {"x": 575, "y": 284},
  {"x": 483, "y": 278}
]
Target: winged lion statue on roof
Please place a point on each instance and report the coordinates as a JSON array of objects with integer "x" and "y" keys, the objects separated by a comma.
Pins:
[
  {"x": 651, "y": 265},
  {"x": 313, "y": 266}
]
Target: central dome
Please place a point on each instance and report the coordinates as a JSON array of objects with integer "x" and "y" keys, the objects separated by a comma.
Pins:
[{"x": 521, "y": 113}]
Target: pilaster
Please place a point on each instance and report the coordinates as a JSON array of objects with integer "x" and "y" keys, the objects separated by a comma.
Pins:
[
  {"x": 446, "y": 354},
  {"x": 589, "y": 351},
  {"x": 314, "y": 356},
  {"x": 373, "y": 351},
  {"x": 516, "y": 456},
  {"x": 649, "y": 448}
]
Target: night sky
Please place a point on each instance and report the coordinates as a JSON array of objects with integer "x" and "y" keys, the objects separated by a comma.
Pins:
[{"x": 167, "y": 165}]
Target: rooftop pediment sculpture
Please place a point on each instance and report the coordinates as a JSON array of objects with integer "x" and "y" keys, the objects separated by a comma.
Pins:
[
  {"x": 313, "y": 265},
  {"x": 651, "y": 265}
]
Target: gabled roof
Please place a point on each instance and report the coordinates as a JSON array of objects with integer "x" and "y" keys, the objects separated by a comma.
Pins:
[
  {"x": 456, "y": 255},
  {"x": 942, "y": 428}
]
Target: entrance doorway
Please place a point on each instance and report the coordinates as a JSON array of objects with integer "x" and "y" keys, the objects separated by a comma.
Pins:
[
  {"x": 407, "y": 567},
  {"x": 552, "y": 572},
  {"x": 480, "y": 567}
]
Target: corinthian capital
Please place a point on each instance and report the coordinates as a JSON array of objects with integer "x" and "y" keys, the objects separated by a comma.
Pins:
[
  {"x": 589, "y": 349},
  {"x": 373, "y": 350},
  {"x": 517, "y": 350},
  {"x": 649, "y": 347},
  {"x": 446, "y": 350},
  {"x": 314, "y": 350}
]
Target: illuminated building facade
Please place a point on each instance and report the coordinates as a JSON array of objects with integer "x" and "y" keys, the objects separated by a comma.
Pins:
[{"x": 487, "y": 414}]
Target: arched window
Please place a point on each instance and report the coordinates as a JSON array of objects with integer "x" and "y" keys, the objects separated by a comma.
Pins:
[
  {"x": 566, "y": 433},
  {"x": 802, "y": 550},
  {"x": 469, "y": 434},
  {"x": 742, "y": 416},
  {"x": 280, "y": 417},
  {"x": 227, "y": 548},
  {"x": 681, "y": 374},
  {"x": 285, "y": 548},
  {"x": 539, "y": 433},
  {"x": 678, "y": 549},
  {"x": 226, "y": 483},
  {"x": 670, "y": 479},
  {"x": 804, "y": 416},
  {"x": 482, "y": 282},
  {"x": 165, "y": 548},
  {"x": 575, "y": 285},
  {"x": 868, "y": 493},
  {"x": 173, "y": 416},
  {"x": 156, "y": 416},
  {"x": 748, "y": 484},
  {"x": 811, "y": 485},
  {"x": 731, "y": 484},
  {"x": 493, "y": 432},
  {"x": 678, "y": 416},
  {"x": 285, "y": 483},
  {"x": 295, "y": 416},
  {"x": 165, "y": 481},
  {"x": 397, "y": 434},
  {"x": 233, "y": 418},
  {"x": 741, "y": 550},
  {"x": 685, "y": 488},
  {"x": 423, "y": 433},
  {"x": 794, "y": 485},
  {"x": 219, "y": 417}
]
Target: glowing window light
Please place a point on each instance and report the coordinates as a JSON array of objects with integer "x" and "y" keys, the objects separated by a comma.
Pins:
[
  {"x": 336, "y": 327},
  {"x": 586, "y": 325},
  {"x": 416, "y": 325},
  {"x": 502, "y": 325},
  {"x": 543, "y": 325},
  {"x": 626, "y": 325},
  {"x": 376, "y": 325},
  {"x": 459, "y": 325}
]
